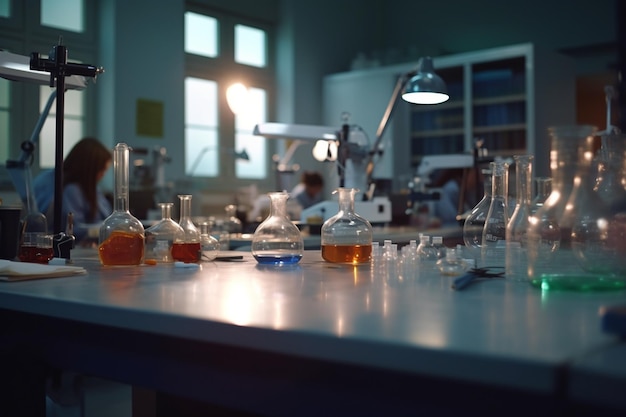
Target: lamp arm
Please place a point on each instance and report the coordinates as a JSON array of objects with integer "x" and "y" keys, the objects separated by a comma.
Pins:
[
  {"x": 34, "y": 136},
  {"x": 369, "y": 170}
]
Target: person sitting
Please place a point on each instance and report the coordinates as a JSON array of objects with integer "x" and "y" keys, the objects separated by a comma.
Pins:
[
  {"x": 83, "y": 168},
  {"x": 309, "y": 191}
]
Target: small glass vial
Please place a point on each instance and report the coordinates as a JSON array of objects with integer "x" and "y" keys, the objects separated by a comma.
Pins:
[
  {"x": 210, "y": 245},
  {"x": 439, "y": 247},
  {"x": 452, "y": 264},
  {"x": 187, "y": 248},
  {"x": 277, "y": 241},
  {"x": 161, "y": 236},
  {"x": 346, "y": 237},
  {"x": 426, "y": 252},
  {"x": 121, "y": 240}
]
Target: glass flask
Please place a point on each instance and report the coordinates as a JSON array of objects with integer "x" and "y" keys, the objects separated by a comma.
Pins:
[
  {"x": 582, "y": 246},
  {"x": 161, "y": 236},
  {"x": 492, "y": 245},
  {"x": 232, "y": 223},
  {"x": 543, "y": 186},
  {"x": 187, "y": 248},
  {"x": 475, "y": 221},
  {"x": 517, "y": 226},
  {"x": 33, "y": 227},
  {"x": 121, "y": 240},
  {"x": 346, "y": 237},
  {"x": 210, "y": 246},
  {"x": 277, "y": 241}
]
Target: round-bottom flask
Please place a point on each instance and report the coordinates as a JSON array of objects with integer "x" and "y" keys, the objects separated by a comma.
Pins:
[
  {"x": 161, "y": 236},
  {"x": 121, "y": 239},
  {"x": 277, "y": 241},
  {"x": 187, "y": 248},
  {"x": 210, "y": 245},
  {"x": 347, "y": 237}
]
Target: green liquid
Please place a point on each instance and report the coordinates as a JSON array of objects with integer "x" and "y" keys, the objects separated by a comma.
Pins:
[{"x": 579, "y": 282}]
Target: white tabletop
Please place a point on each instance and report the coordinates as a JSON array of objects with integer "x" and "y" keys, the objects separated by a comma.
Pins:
[{"x": 497, "y": 332}]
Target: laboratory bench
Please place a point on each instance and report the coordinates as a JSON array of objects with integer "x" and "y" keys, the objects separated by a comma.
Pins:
[{"x": 311, "y": 339}]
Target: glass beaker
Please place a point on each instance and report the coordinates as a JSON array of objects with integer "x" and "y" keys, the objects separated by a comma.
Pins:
[
  {"x": 517, "y": 226},
  {"x": 277, "y": 241},
  {"x": 475, "y": 221},
  {"x": 161, "y": 236},
  {"x": 346, "y": 237},
  {"x": 494, "y": 233},
  {"x": 187, "y": 247},
  {"x": 121, "y": 239},
  {"x": 581, "y": 247}
]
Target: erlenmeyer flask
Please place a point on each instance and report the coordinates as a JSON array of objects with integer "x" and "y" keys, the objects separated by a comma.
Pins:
[
  {"x": 187, "y": 247},
  {"x": 494, "y": 233},
  {"x": 475, "y": 221},
  {"x": 346, "y": 237},
  {"x": 517, "y": 226},
  {"x": 543, "y": 190},
  {"x": 161, "y": 236},
  {"x": 277, "y": 241},
  {"x": 121, "y": 234}
]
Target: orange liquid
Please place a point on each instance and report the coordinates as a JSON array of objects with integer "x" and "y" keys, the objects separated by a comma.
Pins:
[
  {"x": 122, "y": 248},
  {"x": 187, "y": 252},
  {"x": 347, "y": 254},
  {"x": 35, "y": 254}
]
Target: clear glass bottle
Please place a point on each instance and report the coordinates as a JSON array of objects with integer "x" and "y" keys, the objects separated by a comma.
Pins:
[
  {"x": 210, "y": 245},
  {"x": 582, "y": 246},
  {"x": 494, "y": 233},
  {"x": 475, "y": 221},
  {"x": 277, "y": 241},
  {"x": 426, "y": 252},
  {"x": 346, "y": 237},
  {"x": 121, "y": 240},
  {"x": 543, "y": 187},
  {"x": 161, "y": 236},
  {"x": 187, "y": 248},
  {"x": 439, "y": 247},
  {"x": 517, "y": 226},
  {"x": 232, "y": 223}
]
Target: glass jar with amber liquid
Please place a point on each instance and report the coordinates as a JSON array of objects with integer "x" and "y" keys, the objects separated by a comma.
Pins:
[
  {"x": 121, "y": 239},
  {"x": 346, "y": 237},
  {"x": 187, "y": 247}
]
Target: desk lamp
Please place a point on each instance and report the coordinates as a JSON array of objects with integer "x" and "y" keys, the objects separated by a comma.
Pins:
[
  {"x": 62, "y": 75},
  {"x": 421, "y": 85}
]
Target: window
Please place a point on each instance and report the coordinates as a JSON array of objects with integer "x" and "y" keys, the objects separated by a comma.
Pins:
[
  {"x": 62, "y": 14},
  {"x": 222, "y": 50},
  {"x": 31, "y": 27}
]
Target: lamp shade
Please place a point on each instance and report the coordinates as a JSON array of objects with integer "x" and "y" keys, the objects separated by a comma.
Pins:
[{"x": 425, "y": 87}]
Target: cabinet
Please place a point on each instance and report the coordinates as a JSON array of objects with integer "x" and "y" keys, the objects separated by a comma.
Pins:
[{"x": 506, "y": 97}]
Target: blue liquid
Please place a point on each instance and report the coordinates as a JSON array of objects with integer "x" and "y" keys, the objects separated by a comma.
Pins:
[{"x": 278, "y": 259}]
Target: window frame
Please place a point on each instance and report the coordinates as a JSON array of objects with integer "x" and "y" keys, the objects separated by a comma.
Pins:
[{"x": 225, "y": 71}]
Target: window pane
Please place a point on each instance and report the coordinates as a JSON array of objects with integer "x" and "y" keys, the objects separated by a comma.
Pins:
[
  {"x": 63, "y": 14},
  {"x": 72, "y": 133},
  {"x": 200, "y": 102},
  {"x": 5, "y": 8},
  {"x": 201, "y": 34},
  {"x": 255, "y": 146},
  {"x": 73, "y": 125},
  {"x": 201, "y": 125},
  {"x": 201, "y": 151},
  {"x": 250, "y": 46},
  {"x": 4, "y": 93}
]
